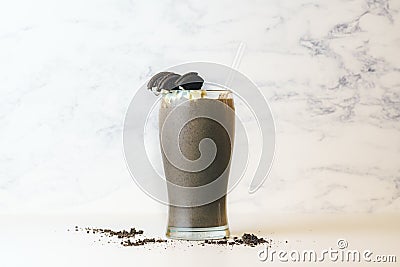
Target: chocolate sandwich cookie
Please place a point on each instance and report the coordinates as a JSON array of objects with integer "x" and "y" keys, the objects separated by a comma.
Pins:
[
  {"x": 190, "y": 81},
  {"x": 168, "y": 82},
  {"x": 154, "y": 82}
]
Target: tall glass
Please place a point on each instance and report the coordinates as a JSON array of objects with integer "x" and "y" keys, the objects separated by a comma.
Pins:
[{"x": 190, "y": 120}]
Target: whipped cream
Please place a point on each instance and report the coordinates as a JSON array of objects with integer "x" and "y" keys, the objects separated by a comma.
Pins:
[{"x": 175, "y": 95}]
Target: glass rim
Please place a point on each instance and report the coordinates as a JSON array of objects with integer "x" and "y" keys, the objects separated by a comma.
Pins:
[
  {"x": 218, "y": 90},
  {"x": 207, "y": 90}
]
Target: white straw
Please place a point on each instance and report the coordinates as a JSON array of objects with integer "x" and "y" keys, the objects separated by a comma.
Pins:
[
  {"x": 236, "y": 63},
  {"x": 239, "y": 55}
]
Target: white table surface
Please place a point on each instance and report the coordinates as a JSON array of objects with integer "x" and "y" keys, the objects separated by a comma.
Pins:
[{"x": 44, "y": 240}]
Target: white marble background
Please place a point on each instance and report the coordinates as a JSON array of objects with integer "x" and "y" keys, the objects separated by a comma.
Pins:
[{"x": 330, "y": 69}]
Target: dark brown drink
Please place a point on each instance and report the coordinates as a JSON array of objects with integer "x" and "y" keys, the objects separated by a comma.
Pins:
[{"x": 209, "y": 220}]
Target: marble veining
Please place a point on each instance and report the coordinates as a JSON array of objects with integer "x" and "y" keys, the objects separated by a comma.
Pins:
[{"x": 330, "y": 70}]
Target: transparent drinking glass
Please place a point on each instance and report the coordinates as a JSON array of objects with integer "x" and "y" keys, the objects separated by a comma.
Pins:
[{"x": 186, "y": 120}]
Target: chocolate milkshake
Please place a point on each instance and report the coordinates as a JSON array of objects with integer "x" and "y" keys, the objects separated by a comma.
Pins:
[{"x": 196, "y": 139}]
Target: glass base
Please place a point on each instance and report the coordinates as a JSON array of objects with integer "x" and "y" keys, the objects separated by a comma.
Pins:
[{"x": 197, "y": 233}]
